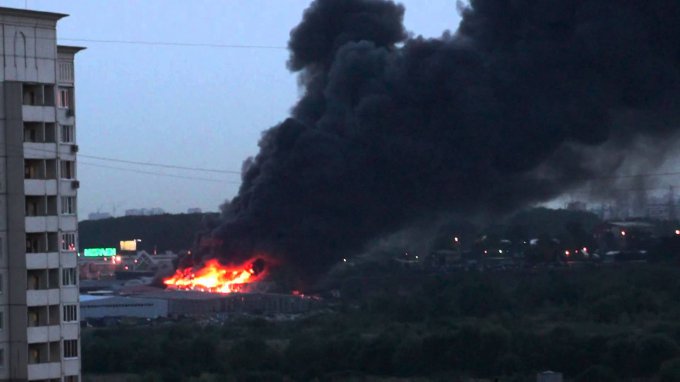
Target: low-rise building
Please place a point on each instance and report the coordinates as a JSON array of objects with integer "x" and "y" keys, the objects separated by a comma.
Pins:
[
  {"x": 94, "y": 307},
  {"x": 154, "y": 303}
]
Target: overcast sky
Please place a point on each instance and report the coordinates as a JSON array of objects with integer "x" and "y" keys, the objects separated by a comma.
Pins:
[{"x": 192, "y": 106}]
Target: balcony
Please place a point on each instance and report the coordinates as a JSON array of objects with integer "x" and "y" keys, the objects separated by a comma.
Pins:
[
  {"x": 32, "y": 113},
  {"x": 41, "y": 242},
  {"x": 51, "y": 370},
  {"x": 34, "y": 150},
  {"x": 39, "y": 334},
  {"x": 42, "y": 224},
  {"x": 42, "y": 260},
  {"x": 42, "y": 297},
  {"x": 40, "y": 186}
]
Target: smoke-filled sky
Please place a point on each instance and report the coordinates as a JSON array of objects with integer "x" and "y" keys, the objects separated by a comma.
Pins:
[
  {"x": 190, "y": 106},
  {"x": 525, "y": 100}
]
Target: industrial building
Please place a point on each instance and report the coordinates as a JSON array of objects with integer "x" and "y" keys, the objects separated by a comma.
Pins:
[
  {"x": 155, "y": 303},
  {"x": 120, "y": 306},
  {"x": 39, "y": 319}
]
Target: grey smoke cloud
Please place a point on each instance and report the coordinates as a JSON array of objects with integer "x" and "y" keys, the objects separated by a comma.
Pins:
[{"x": 392, "y": 128}]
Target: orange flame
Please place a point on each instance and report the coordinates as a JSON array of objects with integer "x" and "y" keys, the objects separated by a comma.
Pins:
[{"x": 214, "y": 277}]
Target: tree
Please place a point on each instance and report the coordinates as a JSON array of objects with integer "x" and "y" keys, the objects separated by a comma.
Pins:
[{"x": 670, "y": 371}]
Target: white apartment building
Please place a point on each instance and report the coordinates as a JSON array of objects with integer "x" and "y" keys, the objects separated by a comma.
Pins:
[{"x": 39, "y": 313}]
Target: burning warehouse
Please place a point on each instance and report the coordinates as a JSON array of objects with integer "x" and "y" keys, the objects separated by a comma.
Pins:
[{"x": 208, "y": 289}]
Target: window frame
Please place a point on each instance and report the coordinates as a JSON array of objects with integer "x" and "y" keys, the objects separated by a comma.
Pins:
[
  {"x": 64, "y": 98},
  {"x": 70, "y": 244},
  {"x": 69, "y": 277},
  {"x": 68, "y": 205},
  {"x": 70, "y": 347},
  {"x": 69, "y": 313},
  {"x": 69, "y": 129},
  {"x": 68, "y": 167}
]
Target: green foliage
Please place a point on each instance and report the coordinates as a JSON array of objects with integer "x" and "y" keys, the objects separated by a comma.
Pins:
[
  {"x": 600, "y": 324},
  {"x": 652, "y": 351},
  {"x": 597, "y": 373},
  {"x": 670, "y": 371}
]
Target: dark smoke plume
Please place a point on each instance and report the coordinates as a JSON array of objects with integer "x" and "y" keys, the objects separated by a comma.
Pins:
[{"x": 528, "y": 99}]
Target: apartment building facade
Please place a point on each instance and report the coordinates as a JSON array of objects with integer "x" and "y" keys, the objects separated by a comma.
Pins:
[{"x": 39, "y": 313}]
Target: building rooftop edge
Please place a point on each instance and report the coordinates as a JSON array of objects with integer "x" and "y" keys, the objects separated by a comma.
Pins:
[
  {"x": 31, "y": 13},
  {"x": 69, "y": 49}
]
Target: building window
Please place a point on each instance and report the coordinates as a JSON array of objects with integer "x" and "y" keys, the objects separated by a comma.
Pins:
[
  {"x": 64, "y": 98},
  {"x": 71, "y": 378},
  {"x": 68, "y": 169},
  {"x": 67, "y": 134},
  {"x": 68, "y": 241},
  {"x": 68, "y": 205},
  {"x": 70, "y": 348},
  {"x": 2, "y": 357},
  {"x": 68, "y": 277},
  {"x": 70, "y": 313}
]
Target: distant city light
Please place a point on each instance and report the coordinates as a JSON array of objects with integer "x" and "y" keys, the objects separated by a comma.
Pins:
[
  {"x": 345, "y": 260},
  {"x": 623, "y": 233},
  {"x": 99, "y": 252},
  {"x": 677, "y": 231},
  {"x": 567, "y": 253}
]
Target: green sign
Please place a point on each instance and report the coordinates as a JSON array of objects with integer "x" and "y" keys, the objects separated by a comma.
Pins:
[{"x": 99, "y": 252}]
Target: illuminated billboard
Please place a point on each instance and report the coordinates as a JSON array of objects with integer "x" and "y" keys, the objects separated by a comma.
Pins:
[
  {"x": 99, "y": 252},
  {"x": 128, "y": 245}
]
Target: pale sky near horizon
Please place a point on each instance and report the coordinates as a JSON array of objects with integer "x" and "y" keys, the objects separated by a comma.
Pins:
[{"x": 191, "y": 106}]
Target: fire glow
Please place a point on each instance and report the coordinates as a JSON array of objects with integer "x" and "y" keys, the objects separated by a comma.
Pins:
[{"x": 214, "y": 277}]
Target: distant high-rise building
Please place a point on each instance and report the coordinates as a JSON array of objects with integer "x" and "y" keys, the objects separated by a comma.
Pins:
[
  {"x": 39, "y": 325},
  {"x": 99, "y": 215},
  {"x": 144, "y": 211},
  {"x": 154, "y": 211},
  {"x": 194, "y": 211}
]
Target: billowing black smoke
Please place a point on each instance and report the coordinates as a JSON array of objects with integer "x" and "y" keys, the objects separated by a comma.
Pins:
[{"x": 512, "y": 109}]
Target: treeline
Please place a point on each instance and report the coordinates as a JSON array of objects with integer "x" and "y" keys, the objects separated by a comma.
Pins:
[
  {"x": 178, "y": 231},
  {"x": 160, "y": 232},
  {"x": 592, "y": 325}
]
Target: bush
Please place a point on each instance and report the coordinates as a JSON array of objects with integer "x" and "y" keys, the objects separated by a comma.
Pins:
[
  {"x": 670, "y": 371},
  {"x": 597, "y": 373}
]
